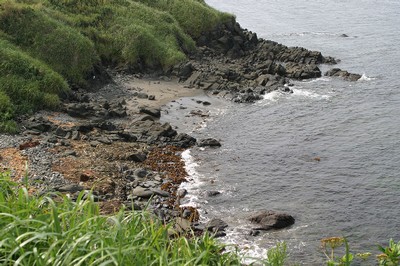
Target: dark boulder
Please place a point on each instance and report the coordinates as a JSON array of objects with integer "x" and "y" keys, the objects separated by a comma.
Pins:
[
  {"x": 268, "y": 220},
  {"x": 210, "y": 142},
  {"x": 337, "y": 72},
  {"x": 184, "y": 140}
]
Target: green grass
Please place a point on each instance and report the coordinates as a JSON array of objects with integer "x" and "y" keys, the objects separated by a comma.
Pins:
[
  {"x": 48, "y": 46},
  {"x": 26, "y": 85},
  {"x": 54, "y": 230}
]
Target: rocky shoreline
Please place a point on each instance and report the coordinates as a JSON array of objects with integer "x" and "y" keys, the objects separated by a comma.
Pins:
[{"x": 110, "y": 141}]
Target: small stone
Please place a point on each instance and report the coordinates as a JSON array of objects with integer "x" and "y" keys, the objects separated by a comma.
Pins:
[{"x": 152, "y": 97}]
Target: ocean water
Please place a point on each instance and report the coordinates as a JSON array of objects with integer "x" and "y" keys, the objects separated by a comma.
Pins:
[{"x": 269, "y": 149}]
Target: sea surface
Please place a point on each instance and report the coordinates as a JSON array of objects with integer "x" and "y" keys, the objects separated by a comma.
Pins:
[{"x": 329, "y": 154}]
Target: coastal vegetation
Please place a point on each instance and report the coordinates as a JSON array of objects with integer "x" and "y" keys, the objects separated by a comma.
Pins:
[
  {"x": 55, "y": 230},
  {"x": 48, "y": 47}
]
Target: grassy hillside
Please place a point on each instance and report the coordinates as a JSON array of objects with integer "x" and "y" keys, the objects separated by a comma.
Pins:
[{"x": 49, "y": 46}]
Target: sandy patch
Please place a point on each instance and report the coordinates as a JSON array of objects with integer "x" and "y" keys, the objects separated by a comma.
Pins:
[{"x": 163, "y": 91}]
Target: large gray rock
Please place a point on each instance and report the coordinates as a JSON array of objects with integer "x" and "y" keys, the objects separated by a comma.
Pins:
[{"x": 268, "y": 220}]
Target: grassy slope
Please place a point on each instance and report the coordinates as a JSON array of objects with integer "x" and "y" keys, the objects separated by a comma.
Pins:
[{"x": 47, "y": 46}]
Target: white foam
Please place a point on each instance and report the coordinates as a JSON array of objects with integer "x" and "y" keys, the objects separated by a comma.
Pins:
[
  {"x": 273, "y": 96},
  {"x": 193, "y": 184},
  {"x": 309, "y": 94},
  {"x": 364, "y": 77}
]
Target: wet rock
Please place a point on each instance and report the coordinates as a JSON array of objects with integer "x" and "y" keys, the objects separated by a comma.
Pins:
[
  {"x": 268, "y": 220},
  {"x": 337, "y": 72},
  {"x": 210, "y": 142}
]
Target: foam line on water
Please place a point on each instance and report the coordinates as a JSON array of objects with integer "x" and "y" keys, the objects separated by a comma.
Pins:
[
  {"x": 194, "y": 182},
  {"x": 309, "y": 94}
]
